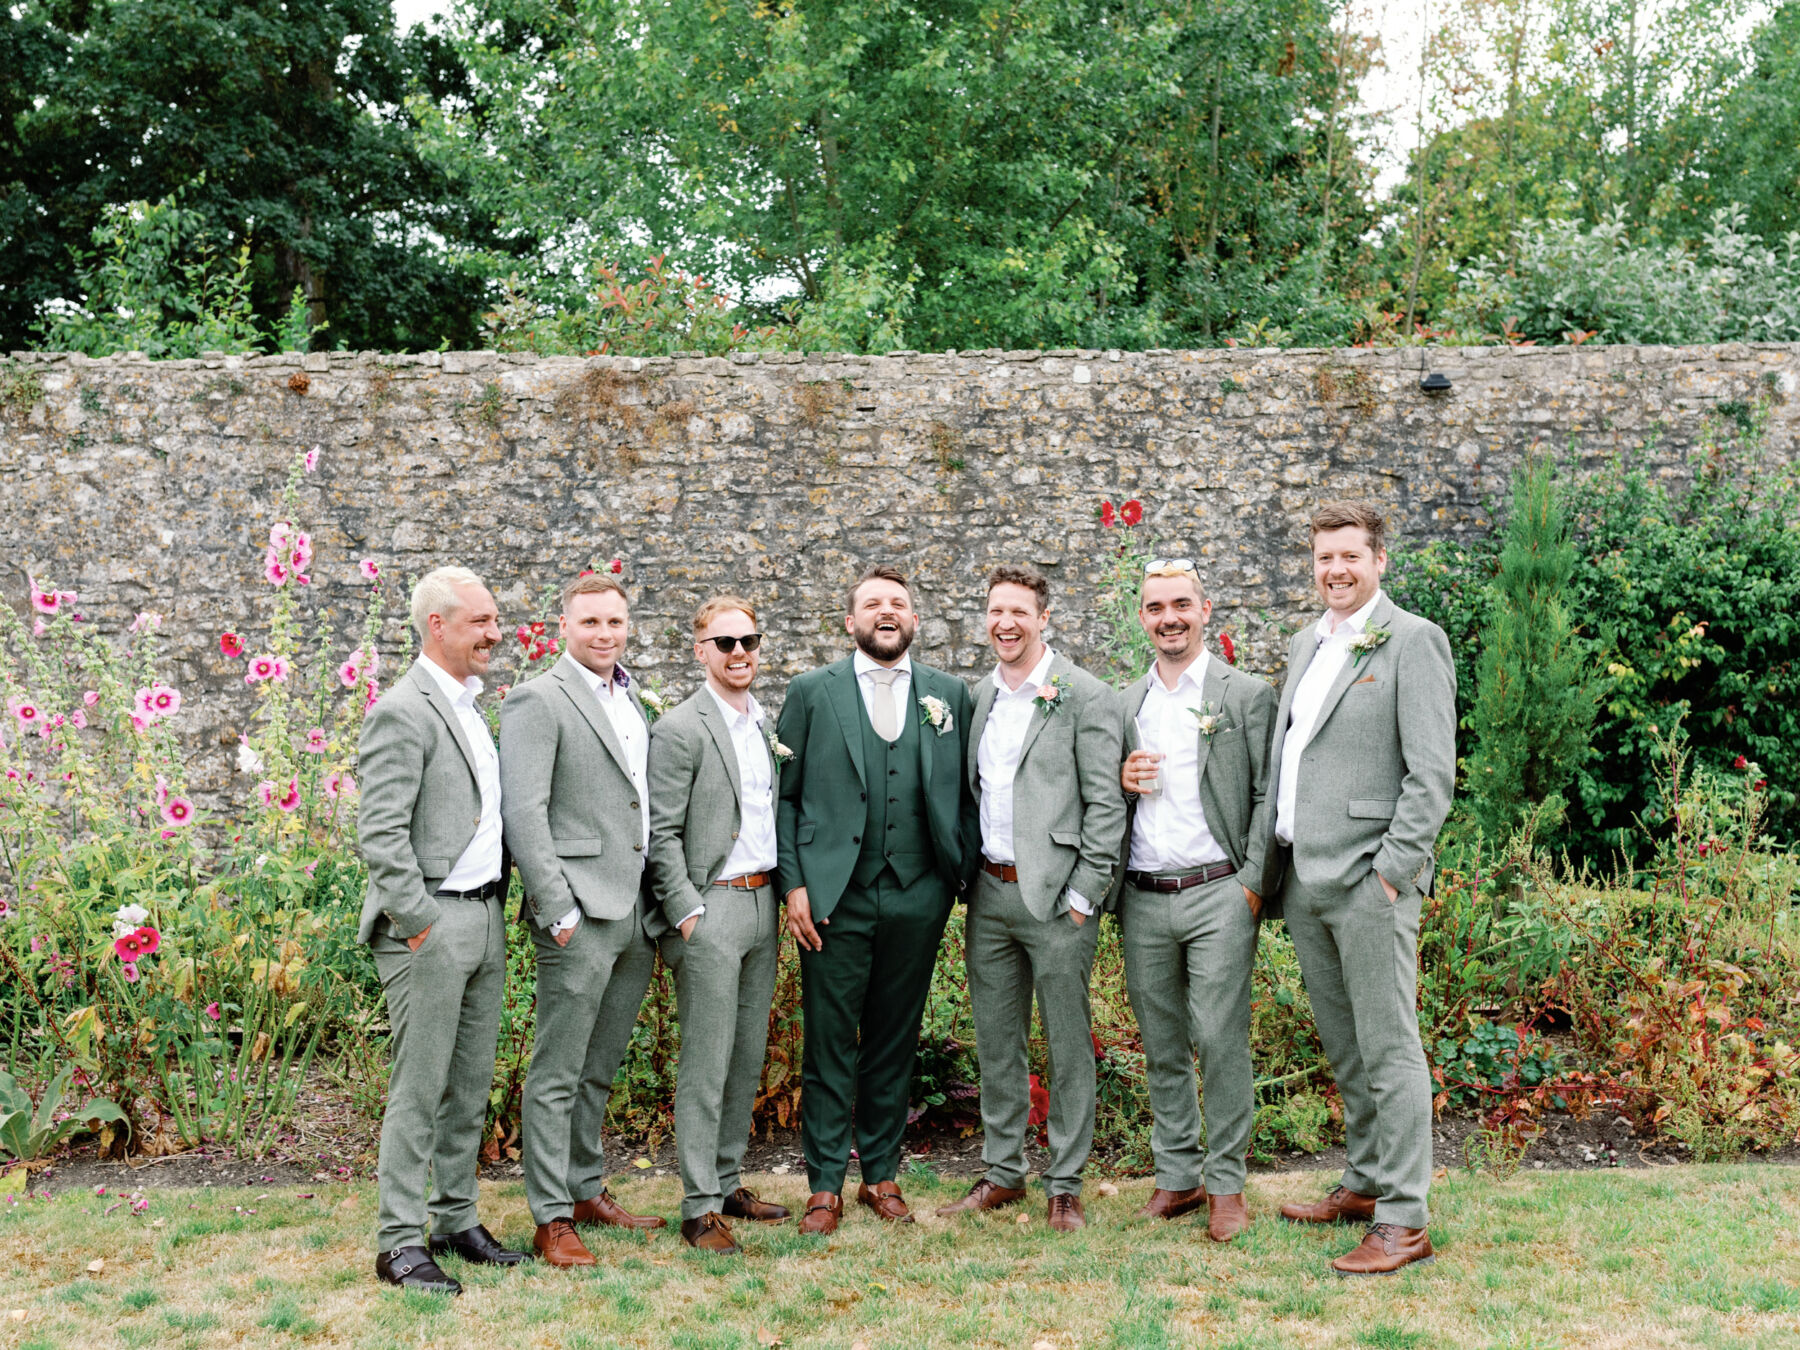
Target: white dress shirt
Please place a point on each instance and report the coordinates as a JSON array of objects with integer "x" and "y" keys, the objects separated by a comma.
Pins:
[
  {"x": 1309, "y": 698},
  {"x": 863, "y": 664},
  {"x": 997, "y": 763},
  {"x": 1169, "y": 832},
  {"x": 754, "y": 850},
  {"x": 634, "y": 739},
  {"x": 480, "y": 861}
]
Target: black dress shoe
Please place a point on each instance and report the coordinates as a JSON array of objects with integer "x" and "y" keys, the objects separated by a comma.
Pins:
[
  {"x": 413, "y": 1268},
  {"x": 476, "y": 1244}
]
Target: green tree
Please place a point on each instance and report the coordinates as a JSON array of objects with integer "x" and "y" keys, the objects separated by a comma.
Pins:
[
  {"x": 1537, "y": 689},
  {"x": 1749, "y": 149}
]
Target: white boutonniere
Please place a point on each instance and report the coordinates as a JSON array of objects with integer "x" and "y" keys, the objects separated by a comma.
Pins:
[
  {"x": 1049, "y": 695},
  {"x": 654, "y": 704},
  {"x": 935, "y": 713},
  {"x": 1209, "y": 719},
  {"x": 1365, "y": 642},
  {"x": 777, "y": 751}
]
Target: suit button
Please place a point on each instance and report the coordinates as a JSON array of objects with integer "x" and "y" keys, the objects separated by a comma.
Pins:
[
  {"x": 865, "y": 796},
  {"x": 637, "y": 848},
  {"x": 634, "y": 806},
  {"x": 856, "y": 839},
  {"x": 734, "y": 834},
  {"x": 893, "y": 771}
]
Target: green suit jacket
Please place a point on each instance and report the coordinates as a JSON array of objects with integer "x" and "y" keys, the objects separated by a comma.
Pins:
[
  {"x": 1376, "y": 777},
  {"x": 696, "y": 795},
  {"x": 1068, "y": 807},
  {"x": 420, "y": 803},
  {"x": 824, "y": 787}
]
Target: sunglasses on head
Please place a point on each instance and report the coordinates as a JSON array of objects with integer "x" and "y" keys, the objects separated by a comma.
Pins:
[
  {"x": 729, "y": 644},
  {"x": 1170, "y": 567}
]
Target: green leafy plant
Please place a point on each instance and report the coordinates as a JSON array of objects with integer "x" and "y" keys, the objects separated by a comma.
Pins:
[{"x": 29, "y": 1136}]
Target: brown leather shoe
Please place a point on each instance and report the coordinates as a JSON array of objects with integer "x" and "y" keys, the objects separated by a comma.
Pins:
[
  {"x": 885, "y": 1199},
  {"x": 984, "y": 1194},
  {"x": 823, "y": 1211},
  {"x": 1226, "y": 1216},
  {"x": 606, "y": 1210},
  {"x": 1341, "y": 1206},
  {"x": 743, "y": 1204},
  {"x": 1385, "y": 1249},
  {"x": 1172, "y": 1204},
  {"x": 1066, "y": 1214},
  {"x": 559, "y": 1245},
  {"x": 709, "y": 1234}
]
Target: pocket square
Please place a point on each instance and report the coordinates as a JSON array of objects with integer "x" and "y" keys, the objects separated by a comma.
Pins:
[{"x": 1367, "y": 679}]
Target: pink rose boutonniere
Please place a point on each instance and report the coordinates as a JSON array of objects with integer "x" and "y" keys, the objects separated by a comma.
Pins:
[{"x": 1050, "y": 694}]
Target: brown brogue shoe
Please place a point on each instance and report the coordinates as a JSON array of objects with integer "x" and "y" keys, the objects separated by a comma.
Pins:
[
  {"x": 1385, "y": 1249},
  {"x": 1226, "y": 1216},
  {"x": 604, "y": 1209},
  {"x": 1172, "y": 1204},
  {"x": 558, "y": 1244},
  {"x": 1066, "y": 1214},
  {"x": 823, "y": 1211},
  {"x": 984, "y": 1194},
  {"x": 885, "y": 1199},
  {"x": 743, "y": 1204},
  {"x": 708, "y": 1233},
  {"x": 1341, "y": 1206}
]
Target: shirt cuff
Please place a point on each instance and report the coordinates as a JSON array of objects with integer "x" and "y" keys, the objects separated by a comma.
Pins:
[
  {"x": 692, "y": 914},
  {"x": 568, "y": 923},
  {"x": 1079, "y": 902}
]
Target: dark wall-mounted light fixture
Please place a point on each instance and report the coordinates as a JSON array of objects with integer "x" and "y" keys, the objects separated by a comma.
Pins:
[{"x": 1435, "y": 383}]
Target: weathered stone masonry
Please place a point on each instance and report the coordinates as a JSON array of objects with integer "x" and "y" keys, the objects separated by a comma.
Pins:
[{"x": 151, "y": 485}]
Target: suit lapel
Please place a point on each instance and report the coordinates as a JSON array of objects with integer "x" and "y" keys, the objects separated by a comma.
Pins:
[
  {"x": 1352, "y": 671},
  {"x": 434, "y": 695},
  {"x": 1058, "y": 666},
  {"x": 846, "y": 702},
  {"x": 984, "y": 705},
  {"x": 1212, "y": 690},
  {"x": 721, "y": 734},
  {"x": 928, "y": 734},
  {"x": 575, "y": 685}
]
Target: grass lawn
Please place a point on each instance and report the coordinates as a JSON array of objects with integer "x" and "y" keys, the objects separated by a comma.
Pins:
[{"x": 1692, "y": 1256}]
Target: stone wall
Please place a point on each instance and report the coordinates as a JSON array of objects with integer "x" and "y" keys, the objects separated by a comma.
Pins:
[{"x": 152, "y": 485}]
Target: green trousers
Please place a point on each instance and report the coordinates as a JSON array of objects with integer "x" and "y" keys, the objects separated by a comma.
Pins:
[
  {"x": 862, "y": 997},
  {"x": 1189, "y": 958},
  {"x": 1359, "y": 956},
  {"x": 1010, "y": 955},
  {"x": 588, "y": 996},
  {"x": 724, "y": 984},
  {"x": 443, "y": 1019}
]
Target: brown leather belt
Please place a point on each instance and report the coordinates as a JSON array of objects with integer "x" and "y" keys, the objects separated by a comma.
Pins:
[
  {"x": 1144, "y": 881},
  {"x": 748, "y": 883},
  {"x": 1005, "y": 871}
]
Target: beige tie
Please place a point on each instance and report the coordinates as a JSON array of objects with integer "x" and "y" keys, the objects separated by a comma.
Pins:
[{"x": 881, "y": 708}]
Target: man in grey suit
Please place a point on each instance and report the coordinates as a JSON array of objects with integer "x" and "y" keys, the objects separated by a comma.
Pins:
[
  {"x": 1043, "y": 756},
  {"x": 1364, "y": 767},
  {"x": 714, "y": 772},
  {"x": 574, "y": 753},
  {"x": 430, "y": 831},
  {"x": 1192, "y": 894}
]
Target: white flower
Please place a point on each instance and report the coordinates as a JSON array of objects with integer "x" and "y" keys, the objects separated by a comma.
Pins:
[
  {"x": 1209, "y": 721},
  {"x": 248, "y": 761},
  {"x": 937, "y": 713},
  {"x": 127, "y": 919}
]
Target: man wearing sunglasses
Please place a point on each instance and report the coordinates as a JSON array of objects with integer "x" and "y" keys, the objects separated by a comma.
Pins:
[
  {"x": 1198, "y": 770},
  {"x": 714, "y": 769},
  {"x": 574, "y": 750}
]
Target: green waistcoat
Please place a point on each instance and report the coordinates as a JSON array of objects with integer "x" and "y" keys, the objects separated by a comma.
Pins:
[{"x": 896, "y": 833}]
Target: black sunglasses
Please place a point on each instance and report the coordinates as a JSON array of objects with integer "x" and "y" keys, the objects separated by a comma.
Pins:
[{"x": 728, "y": 644}]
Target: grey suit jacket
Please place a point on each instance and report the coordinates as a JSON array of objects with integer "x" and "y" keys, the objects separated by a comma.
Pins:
[
  {"x": 1233, "y": 766},
  {"x": 573, "y": 819},
  {"x": 696, "y": 795},
  {"x": 420, "y": 803},
  {"x": 1376, "y": 777},
  {"x": 1068, "y": 808}
]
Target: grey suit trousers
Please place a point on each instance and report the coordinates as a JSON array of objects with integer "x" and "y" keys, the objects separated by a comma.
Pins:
[
  {"x": 588, "y": 996},
  {"x": 1189, "y": 958},
  {"x": 724, "y": 984},
  {"x": 1359, "y": 955},
  {"x": 444, "y": 1019},
  {"x": 1010, "y": 955}
]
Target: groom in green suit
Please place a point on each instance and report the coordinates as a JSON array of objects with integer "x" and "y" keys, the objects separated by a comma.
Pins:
[{"x": 872, "y": 832}]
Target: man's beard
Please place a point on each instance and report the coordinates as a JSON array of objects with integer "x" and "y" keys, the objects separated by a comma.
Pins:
[{"x": 884, "y": 646}]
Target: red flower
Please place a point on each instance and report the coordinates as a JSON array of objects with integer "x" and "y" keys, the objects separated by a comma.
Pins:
[
  {"x": 1099, "y": 1049},
  {"x": 1740, "y": 763},
  {"x": 1040, "y": 1103},
  {"x": 587, "y": 571},
  {"x": 537, "y": 629},
  {"x": 231, "y": 644},
  {"x": 617, "y": 565},
  {"x": 550, "y": 647},
  {"x": 136, "y": 946},
  {"x": 1106, "y": 514},
  {"x": 524, "y": 635},
  {"x": 1761, "y": 783},
  {"x": 1229, "y": 647},
  {"x": 1132, "y": 512}
]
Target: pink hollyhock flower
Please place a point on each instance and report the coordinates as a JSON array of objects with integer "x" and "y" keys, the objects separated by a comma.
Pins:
[
  {"x": 349, "y": 674},
  {"x": 91, "y": 697},
  {"x": 266, "y": 791},
  {"x": 164, "y": 701},
  {"x": 139, "y": 721},
  {"x": 130, "y": 971},
  {"x": 275, "y": 571},
  {"x": 28, "y": 713},
  {"x": 138, "y": 944},
  {"x": 617, "y": 565},
  {"x": 339, "y": 784},
  {"x": 279, "y": 535},
  {"x": 231, "y": 644},
  {"x": 162, "y": 789},
  {"x": 312, "y": 459},
  {"x": 280, "y": 670},
  {"x": 178, "y": 811},
  {"x": 39, "y": 628},
  {"x": 45, "y": 602},
  {"x": 261, "y": 668},
  {"x": 315, "y": 741},
  {"x": 311, "y": 867},
  {"x": 300, "y": 552},
  {"x": 145, "y": 621},
  {"x": 212, "y": 1011},
  {"x": 141, "y": 703},
  {"x": 78, "y": 718},
  {"x": 374, "y": 692},
  {"x": 290, "y": 799},
  {"x": 369, "y": 568}
]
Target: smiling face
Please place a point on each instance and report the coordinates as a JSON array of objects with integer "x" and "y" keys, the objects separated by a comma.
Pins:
[
  {"x": 1174, "y": 613},
  {"x": 733, "y": 673},
  {"x": 1347, "y": 570},
  {"x": 881, "y": 619},
  {"x": 465, "y": 638},
  {"x": 1015, "y": 626},
  {"x": 595, "y": 626}
]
